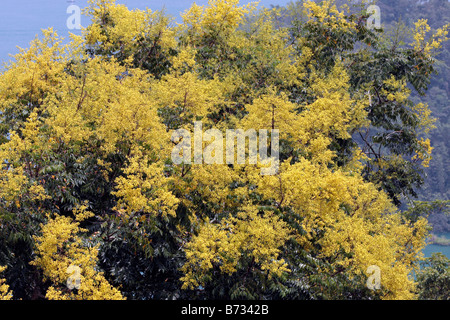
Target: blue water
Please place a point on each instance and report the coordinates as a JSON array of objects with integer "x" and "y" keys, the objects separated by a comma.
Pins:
[
  {"x": 22, "y": 20},
  {"x": 437, "y": 248}
]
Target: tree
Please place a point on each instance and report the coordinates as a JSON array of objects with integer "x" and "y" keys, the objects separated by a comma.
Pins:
[
  {"x": 437, "y": 14},
  {"x": 434, "y": 278},
  {"x": 89, "y": 186}
]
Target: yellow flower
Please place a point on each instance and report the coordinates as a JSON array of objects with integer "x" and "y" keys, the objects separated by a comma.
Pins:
[
  {"x": 59, "y": 249},
  {"x": 5, "y": 293}
]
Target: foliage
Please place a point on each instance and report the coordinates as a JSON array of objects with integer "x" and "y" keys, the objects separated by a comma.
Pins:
[
  {"x": 88, "y": 180},
  {"x": 5, "y": 294},
  {"x": 426, "y": 208},
  {"x": 434, "y": 278},
  {"x": 400, "y": 16},
  {"x": 59, "y": 251}
]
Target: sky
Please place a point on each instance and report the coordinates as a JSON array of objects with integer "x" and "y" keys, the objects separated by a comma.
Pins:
[{"x": 22, "y": 20}]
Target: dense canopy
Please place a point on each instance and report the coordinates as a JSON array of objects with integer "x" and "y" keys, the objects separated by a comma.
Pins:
[{"x": 88, "y": 187}]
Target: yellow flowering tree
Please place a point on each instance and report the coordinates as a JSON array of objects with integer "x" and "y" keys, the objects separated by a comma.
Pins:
[{"x": 94, "y": 206}]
